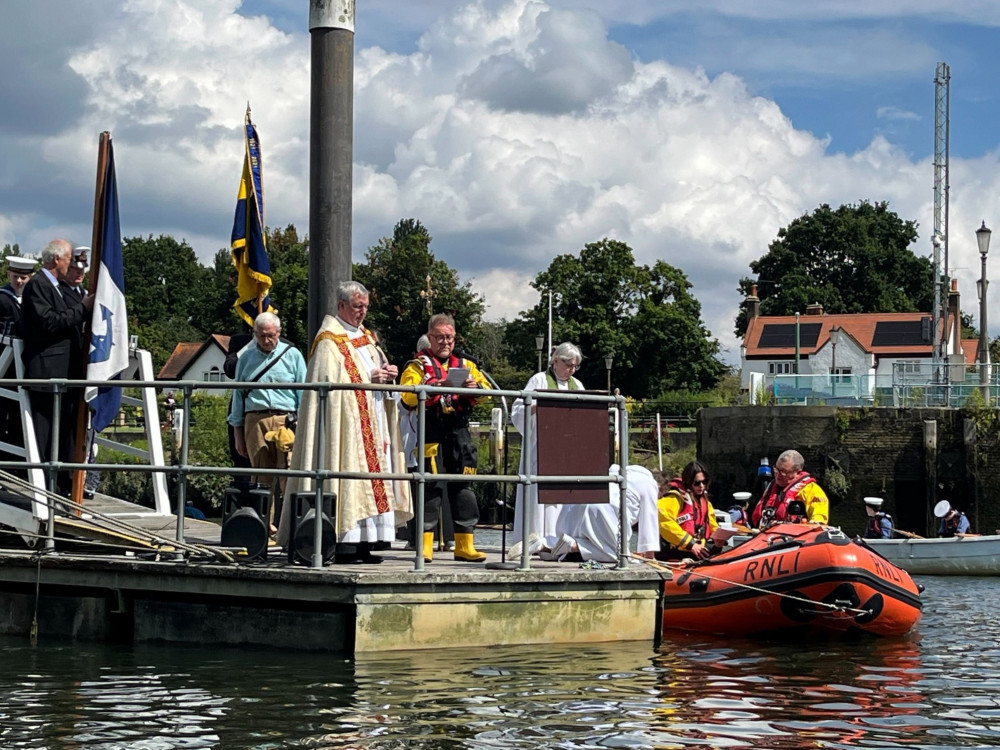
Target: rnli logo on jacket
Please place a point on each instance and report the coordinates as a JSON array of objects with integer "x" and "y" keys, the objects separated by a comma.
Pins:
[{"x": 685, "y": 517}]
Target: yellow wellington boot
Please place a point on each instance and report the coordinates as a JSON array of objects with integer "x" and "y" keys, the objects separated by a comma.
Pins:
[
  {"x": 428, "y": 546},
  {"x": 466, "y": 550}
]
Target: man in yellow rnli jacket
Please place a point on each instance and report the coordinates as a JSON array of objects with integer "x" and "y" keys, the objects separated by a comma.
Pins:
[
  {"x": 449, "y": 447},
  {"x": 791, "y": 483}
]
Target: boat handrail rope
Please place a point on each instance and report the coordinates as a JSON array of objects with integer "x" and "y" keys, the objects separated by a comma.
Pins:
[{"x": 680, "y": 565}]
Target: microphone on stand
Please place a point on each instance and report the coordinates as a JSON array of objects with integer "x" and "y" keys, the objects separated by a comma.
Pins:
[{"x": 462, "y": 354}]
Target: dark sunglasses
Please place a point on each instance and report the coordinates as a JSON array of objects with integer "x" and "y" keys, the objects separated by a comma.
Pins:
[{"x": 700, "y": 483}]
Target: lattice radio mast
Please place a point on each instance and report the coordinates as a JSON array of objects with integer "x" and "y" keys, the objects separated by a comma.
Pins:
[{"x": 942, "y": 127}]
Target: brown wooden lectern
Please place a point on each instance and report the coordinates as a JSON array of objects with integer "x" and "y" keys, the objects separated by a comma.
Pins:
[{"x": 572, "y": 439}]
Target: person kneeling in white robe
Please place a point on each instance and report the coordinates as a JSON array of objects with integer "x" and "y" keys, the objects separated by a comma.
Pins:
[{"x": 592, "y": 531}]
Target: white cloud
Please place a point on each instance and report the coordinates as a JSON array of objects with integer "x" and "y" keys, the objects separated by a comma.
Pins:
[
  {"x": 895, "y": 113},
  {"x": 515, "y": 131}
]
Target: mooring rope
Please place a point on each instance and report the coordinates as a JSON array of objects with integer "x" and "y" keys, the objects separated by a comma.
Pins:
[{"x": 680, "y": 566}]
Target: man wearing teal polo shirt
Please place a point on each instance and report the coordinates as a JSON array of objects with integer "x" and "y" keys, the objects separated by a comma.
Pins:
[{"x": 258, "y": 411}]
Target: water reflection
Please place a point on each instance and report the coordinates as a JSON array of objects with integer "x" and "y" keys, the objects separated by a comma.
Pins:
[
  {"x": 937, "y": 689},
  {"x": 779, "y": 695}
]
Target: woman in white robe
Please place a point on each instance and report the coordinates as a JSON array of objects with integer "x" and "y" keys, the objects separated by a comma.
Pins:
[{"x": 542, "y": 534}]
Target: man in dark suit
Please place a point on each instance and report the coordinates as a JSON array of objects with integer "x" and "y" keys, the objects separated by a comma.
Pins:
[{"x": 52, "y": 325}]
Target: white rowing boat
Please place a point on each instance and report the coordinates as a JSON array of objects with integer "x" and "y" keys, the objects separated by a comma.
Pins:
[{"x": 954, "y": 556}]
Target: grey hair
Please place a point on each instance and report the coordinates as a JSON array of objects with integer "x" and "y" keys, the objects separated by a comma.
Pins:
[
  {"x": 798, "y": 463},
  {"x": 423, "y": 343},
  {"x": 266, "y": 318},
  {"x": 440, "y": 319},
  {"x": 55, "y": 249},
  {"x": 566, "y": 352},
  {"x": 348, "y": 289}
]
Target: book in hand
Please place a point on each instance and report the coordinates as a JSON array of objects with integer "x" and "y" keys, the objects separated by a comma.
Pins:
[{"x": 457, "y": 376}]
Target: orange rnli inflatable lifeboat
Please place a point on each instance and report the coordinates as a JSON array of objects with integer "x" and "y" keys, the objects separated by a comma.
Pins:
[{"x": 792, "y": 576}]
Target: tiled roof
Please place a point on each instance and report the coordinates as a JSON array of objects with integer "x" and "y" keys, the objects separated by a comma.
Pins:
[
  {"x": 187, "y": 352},
  {"x": 859, "y": 326}
]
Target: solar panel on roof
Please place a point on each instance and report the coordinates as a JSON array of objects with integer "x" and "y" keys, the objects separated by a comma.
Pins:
[
  {"x": 901, "y": 333},
  {"x": 782, "y": 335}
]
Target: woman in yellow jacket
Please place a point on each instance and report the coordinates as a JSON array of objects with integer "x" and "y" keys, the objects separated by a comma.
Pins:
[{"x": 686, "y": 516}]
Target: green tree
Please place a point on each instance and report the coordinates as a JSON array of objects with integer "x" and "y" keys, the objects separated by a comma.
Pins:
[
  {"x": 646, "y": 318},
  {"x": 219, "y": 316},
  {"x": 853, "y": 259},
  {"x": 165, "y": 293},
  {"x": 289, "y": 258},
  {"x": 396, "y": 272}
]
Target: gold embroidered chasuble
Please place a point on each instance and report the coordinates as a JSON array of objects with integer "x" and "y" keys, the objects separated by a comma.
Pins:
[{"x": 355, "y": 439}]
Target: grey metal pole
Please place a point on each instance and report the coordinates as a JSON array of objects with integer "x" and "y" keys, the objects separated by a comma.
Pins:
[
  {"x": 625, "y": 527},
  {"x": 797, "y": 348},
  {"x": 50, "y": 526},
  {"x": 183, "y": 474},
  {"x": 529, "y": 404},
  {"x": 320, "y": 457},
  {"x": 936, "y": 332},
  {"x": 331, "y": 154},
  {"x": 984, "y": 372},
  {"x": 418, "y": 508}
]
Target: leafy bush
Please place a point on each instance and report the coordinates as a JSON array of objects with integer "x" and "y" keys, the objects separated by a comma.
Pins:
[
  {"x": 209, "y": 446},
  {"x": 133, "y": 486}
]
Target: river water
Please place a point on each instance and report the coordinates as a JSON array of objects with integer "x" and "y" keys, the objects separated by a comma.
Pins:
[{"x": 937, "y": 688}]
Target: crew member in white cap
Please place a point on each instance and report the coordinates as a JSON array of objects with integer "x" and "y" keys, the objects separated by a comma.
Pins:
[
  {"x": 19, "y": 270},
  {"x": 738, "y": 510},
  {"x": 879, "y": 522},
  {"x": 77, "y": 270},
  {"x": 953, "y": 522}
]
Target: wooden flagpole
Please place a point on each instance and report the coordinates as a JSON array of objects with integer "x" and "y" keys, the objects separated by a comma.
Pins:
[{"x": 82, "y": 417}]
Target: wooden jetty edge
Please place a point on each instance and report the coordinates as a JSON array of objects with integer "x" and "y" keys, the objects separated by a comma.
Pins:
[{"x": 352, "y": 609}]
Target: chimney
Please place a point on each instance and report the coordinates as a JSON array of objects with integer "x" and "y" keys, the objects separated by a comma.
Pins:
[
  {"x": 753, "y": 303},
  {"x": 814, "y": 309},
  {"x": 955, "y": 318}
]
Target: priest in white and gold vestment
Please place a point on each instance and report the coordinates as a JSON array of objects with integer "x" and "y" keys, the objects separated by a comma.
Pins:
[{"x": 360, "y": 432}]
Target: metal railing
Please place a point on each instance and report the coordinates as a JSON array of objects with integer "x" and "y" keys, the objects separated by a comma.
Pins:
[
  {"x": 183, "y": 469},
  {"x": 910, "y": 385}
]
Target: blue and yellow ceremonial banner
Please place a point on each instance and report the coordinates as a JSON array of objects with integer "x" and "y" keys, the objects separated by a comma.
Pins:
[{"x": 249, "y": 249}]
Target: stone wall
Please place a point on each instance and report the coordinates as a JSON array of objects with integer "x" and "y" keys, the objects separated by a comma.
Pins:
[{"x": 879, "y": 451}]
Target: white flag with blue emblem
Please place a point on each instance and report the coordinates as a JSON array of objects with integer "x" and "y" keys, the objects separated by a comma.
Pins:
[{"x": 109, "y": 324}]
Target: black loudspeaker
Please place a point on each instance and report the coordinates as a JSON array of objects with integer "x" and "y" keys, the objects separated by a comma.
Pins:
[
  {"x": 244, "y": 510},
  {"x": 300, "y": 546}
]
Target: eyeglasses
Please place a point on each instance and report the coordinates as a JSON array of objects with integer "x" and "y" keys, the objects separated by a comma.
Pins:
[
  {"x": 444, "y": 339},
  {"x": 571, "y": 365},
  {"x": 699, "y": 483}
]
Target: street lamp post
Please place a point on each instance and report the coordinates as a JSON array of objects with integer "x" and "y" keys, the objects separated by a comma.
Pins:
[
  {"x": 983, "y": 239},
  {"x": 834, "y": 338},
  {"x": 608, "y": 361},
  {"x": 539, "y": 345}
]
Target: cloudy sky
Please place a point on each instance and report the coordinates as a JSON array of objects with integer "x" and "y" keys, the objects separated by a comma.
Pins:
[{"x": 515, "y": 130}]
